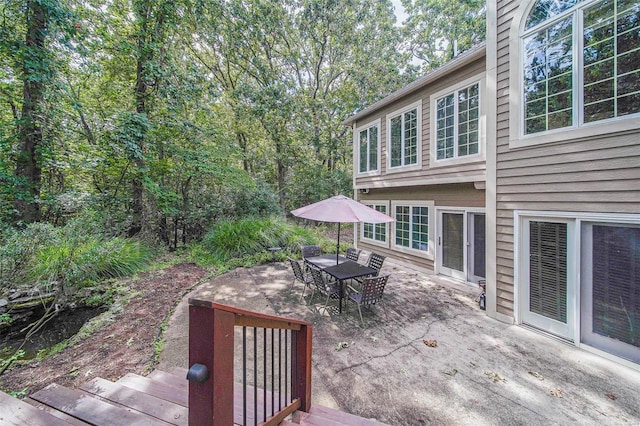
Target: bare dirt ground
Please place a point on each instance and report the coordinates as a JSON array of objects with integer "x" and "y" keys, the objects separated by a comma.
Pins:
[{"x": 123, "y": 343}]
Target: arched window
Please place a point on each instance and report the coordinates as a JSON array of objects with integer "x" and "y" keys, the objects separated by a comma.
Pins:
[{"x": 580, "y": 63}]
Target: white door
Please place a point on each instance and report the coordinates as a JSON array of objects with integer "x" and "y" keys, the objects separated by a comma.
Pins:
[{"x": 548, "y": 289}]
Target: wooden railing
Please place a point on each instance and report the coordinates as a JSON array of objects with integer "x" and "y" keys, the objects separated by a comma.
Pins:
[{"x": 273, "y": 380}]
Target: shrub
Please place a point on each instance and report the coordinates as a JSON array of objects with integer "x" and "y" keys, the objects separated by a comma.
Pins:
[
  {"x": 73, "y": 256},
  {"x": 251, "y": 237}
]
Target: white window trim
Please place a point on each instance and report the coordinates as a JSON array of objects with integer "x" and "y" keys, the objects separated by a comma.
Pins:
[
  {"x": 371, "y": 241},
  {"x": 482, "y": 123},
  {"x": 429, "y": 254},
  {"x": 517, "y": 138},
  {"x": 356, "y": 143},
  {"x": 575, "y": 219},
  {"x": 418, "y": 107}
]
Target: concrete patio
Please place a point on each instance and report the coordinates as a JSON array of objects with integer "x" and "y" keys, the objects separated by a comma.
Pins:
[{"x": 437, "y": 359}]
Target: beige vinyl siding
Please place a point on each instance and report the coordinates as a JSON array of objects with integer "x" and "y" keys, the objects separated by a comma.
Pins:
[
  {"x": 504, "y": 219},
  {"x": 589, "y": 175},
  {"x": 468, "y": 172},
  {"x": 453, "y": 195}
]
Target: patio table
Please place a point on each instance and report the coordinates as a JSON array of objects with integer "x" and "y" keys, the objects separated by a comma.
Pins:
[
  {"x": 326, "y": 260},
  {"x": 348, "y": 270}
]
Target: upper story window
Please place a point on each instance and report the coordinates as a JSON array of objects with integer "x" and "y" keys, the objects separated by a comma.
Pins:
[
  {"x": 580, "y": 63},
  {"x": 457, "y": 123},
  {"x": 368, "y": 146},
  {"x": 404, "y": 136}
]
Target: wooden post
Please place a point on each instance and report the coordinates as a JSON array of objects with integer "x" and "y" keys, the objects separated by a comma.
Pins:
[
  {"x": 302, "y": 386},
  {"x": 211, "y": 402}
]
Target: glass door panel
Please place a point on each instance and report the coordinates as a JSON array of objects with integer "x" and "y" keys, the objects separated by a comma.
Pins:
[
  {"x": 477, "y": 256},
  {"x": 610, "y": 302},
  {"x": 546, "y": 290},
  {"x": 453, "y": 241},
  {"x": 451, "y": 256}
]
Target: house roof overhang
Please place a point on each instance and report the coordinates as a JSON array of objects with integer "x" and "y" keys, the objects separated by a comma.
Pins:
[{"x": 459, "y": 61}]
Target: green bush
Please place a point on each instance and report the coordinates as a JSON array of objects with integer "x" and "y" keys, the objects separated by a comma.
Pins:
[
  {"x": 81, "y": 263},
  {"x": 250, "y": 238},
  {"x": 74, "y": 256}
]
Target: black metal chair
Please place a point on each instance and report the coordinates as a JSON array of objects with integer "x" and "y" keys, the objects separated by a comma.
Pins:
[
  {"x": 371, "y": 294},
  {"x": 310, "y": 251},
  {"x": 353, "y": 253},
  {"x": 375, "y": 262},
  {"x": 330, "y": 289},
  {"x": 299, "y": 275}
]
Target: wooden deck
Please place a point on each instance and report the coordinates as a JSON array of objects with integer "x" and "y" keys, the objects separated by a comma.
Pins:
[{"x": 161, "y": 398}]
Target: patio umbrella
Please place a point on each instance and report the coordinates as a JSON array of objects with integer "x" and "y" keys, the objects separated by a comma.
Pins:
[{"x": 341, "y": 209}]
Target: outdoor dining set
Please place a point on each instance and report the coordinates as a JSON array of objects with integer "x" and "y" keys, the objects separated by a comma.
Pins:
[
  {"x": 341, "y": 278},
  {"x": 335, "y": 276}
]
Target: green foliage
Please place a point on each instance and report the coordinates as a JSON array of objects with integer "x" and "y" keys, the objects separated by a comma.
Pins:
[
  {"x": 316, "y": 184},
  {"x": 259, "y": 201},
  {"x": 5, "y": 319},
  {"x": 436, "y": 29},
  {"x": 74, "y": 256},
  {"x": 19, "y": 394},
  {"x": 82, "y": 263},
  {"x": 17, "y": 356},
  {"x": 214, "y": 110},
  {"x": 244, "y": 242}
]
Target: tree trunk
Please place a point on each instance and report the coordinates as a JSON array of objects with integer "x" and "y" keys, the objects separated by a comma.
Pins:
[
  {"x": 137, "y": 190},
  {"x": 28, "y": 168},
  {"x": 282, "y": 172}
]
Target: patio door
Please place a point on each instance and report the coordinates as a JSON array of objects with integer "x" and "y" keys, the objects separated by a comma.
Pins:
[
  {"x": 548, "y": 289},
  {"x": 461, "y": 251}
]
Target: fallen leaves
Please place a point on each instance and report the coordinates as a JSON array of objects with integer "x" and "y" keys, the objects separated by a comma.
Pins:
[
  {"x": 342, "y": 345},
  {"x": 536, "y": 375},
  {"x": 430, "y": 343},
  {"x": 495, "y": 376},
  {"x": 557, "y": 392}
]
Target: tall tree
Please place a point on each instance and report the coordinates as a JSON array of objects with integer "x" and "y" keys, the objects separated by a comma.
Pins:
[
  {"x": 436, "y": 30},
  {"x": 28, "y": 33},
  {"x": 152, "y": 21},
  {"x": 296, "y": 70}
]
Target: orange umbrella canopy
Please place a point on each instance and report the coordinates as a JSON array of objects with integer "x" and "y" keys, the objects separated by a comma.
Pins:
[{"x": 341, "y": 209}]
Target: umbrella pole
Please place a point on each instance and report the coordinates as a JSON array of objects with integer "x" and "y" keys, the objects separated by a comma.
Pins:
[{"x": 338, "y": 245}]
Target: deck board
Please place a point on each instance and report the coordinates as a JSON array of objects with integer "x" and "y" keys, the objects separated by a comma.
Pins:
[
  {"x": 158, "y": 399},
  {"x": 19, "y": 413},
  {"x": 119, "y": 394},
  {"x": 84, "y": 407},
  {"x": 155, "y": 388},
  {"x": 170, "y": 379},
  {"x": 59, "y": 414}
]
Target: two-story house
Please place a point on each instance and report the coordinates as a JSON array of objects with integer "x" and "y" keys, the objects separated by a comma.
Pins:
[
  {"x": 519, "y": 161},
  {"x": 419, "y": 156}
]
